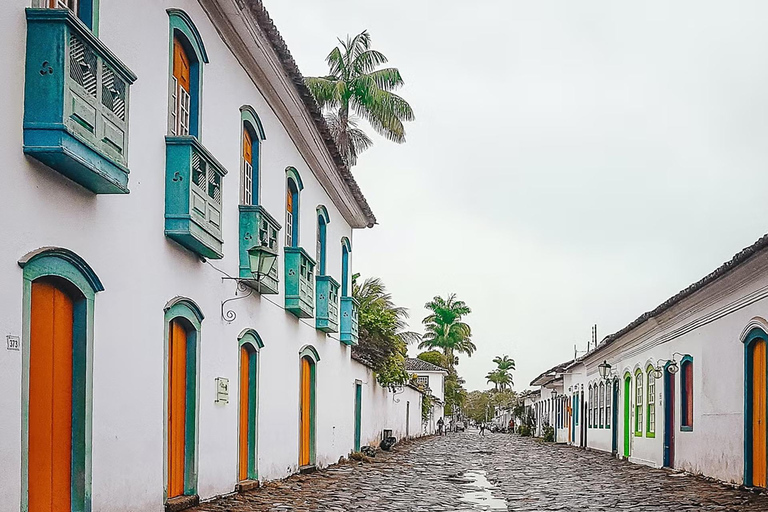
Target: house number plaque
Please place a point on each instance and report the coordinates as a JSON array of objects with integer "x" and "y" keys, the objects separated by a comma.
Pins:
[
  {"x": 222, "y": 390},
  {"x": 13, "y": 342}
]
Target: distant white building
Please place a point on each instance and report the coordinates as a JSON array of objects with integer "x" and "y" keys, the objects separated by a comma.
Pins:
[
  {"x": 432, "y": 378},
  {"x": 682, "y": 386}
]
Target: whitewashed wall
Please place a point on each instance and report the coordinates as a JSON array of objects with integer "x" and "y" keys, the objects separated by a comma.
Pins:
[{"x": 122, "y": 238}]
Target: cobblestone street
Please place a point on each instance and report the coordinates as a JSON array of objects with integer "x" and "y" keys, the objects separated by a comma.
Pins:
[{"x": 449, "y": 474}]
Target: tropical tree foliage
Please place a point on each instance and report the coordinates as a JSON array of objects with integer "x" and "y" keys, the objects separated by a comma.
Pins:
[
  {"x": 355, "y": 87},
  {"x": 435, "y": 357},
  {"x": 445, "y": 329},
  {"x": 383, "y": 338},
  {"x": 500, "y": 379}
]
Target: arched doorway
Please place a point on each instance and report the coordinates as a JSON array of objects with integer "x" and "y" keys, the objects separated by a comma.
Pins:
[
  {"x": 250, "y": 343},
  {"x": 309, "y": 359},
  {"x": 183, "y": 322},
  {"x": 57, "y": 340},
  {"x": 627, "y": 413},
  {"x": 669, "y": 417},
  {"x": 756, "y": 418}
]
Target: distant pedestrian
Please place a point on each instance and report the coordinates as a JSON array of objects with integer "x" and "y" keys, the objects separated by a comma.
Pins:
[
  {"x": 482, "y": 429},
  {"x": 440, "y": 424}
]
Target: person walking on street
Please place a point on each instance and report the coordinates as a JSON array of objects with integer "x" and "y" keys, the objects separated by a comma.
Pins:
[
  {"x": 440, "y": 425},
  {"x": 482, "y": 429}
]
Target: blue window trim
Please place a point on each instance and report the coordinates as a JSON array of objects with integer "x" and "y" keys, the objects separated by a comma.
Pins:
[
  {"x": 252, "y": 123},
  {"x": 322, "y": 222},
  {"x": 181, "y": 25},
  {"x": 346, "y": 249},
  {"x": 65, "y": 264},
  {"x": 295, "y": 185},
  {"x": 686, "y": 360}
]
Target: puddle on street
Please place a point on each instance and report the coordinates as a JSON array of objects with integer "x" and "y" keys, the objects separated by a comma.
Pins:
[{"x": 480, "y": 497}]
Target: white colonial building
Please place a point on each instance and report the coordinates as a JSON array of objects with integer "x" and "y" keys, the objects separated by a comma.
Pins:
[
  {"x": 430, "y": 378},
  {"x": 176, "y": 261},
  {"x": 683, "y": 386}
]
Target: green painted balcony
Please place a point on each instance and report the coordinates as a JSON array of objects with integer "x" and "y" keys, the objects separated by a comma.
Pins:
[
  {"x": 193, "y": 196},
  {"x": 327, "y": 317},
  {"x": 299, "y": 282},
  {"x": 258, "y": 228},
  {"x": 76, "y": 98},
  {"x": 349, "y": 308}
]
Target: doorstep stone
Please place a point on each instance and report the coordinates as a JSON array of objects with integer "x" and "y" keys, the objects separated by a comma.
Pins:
[
  {"x": 305, "y": 470},
  {"x": 246, "y": 485},
  {"x": 181, "y": 503}
]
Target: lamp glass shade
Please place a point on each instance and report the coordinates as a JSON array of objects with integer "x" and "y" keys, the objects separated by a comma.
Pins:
[
  {"x": 604, "y": 368},
  {"x": 658, "y": 372},
  {"x": 261, "y": 259},
  {"x": 673, "y": 367}
]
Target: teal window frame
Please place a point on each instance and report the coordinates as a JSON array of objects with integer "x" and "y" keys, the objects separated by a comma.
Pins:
[
  {"x": 186, "y": 310},
  {"x": 322, "y": 226},
  {"x": 639, "y": 394},
  {"x": 686, "y": 423},
  {"x": 181, "y": 25},
  {"x": 346, "y": 249},
  {"x": 87, "y": 12},
  {"x": 250, "y": 339},
  {"x": 64, "y": 264},
  {"x": 252, "y": 123},
  {"x": 294, "y": 186},
  {"x": 608, "y": 405}
]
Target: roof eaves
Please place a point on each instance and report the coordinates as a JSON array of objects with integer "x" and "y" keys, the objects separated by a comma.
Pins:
[{"x": 292, "y": 70}]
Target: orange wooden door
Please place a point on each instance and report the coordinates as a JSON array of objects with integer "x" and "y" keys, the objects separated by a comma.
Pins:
[
  {"x": 180, "y": 64},
  {"x": 177, "y": 407},
  {"x": 50, "y": 400},
  {"x": 759, "y": 466},
  {"x": 244, "y": 419},
  {"x": 247, "y": 147},
  {"x": 306, "y": 404}
]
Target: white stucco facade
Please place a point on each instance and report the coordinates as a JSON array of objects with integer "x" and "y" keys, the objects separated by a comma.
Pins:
[{"x": 121, "y": 237}]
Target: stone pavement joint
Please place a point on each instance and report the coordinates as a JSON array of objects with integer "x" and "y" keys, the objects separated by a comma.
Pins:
[{"x": 425, "y": 475}]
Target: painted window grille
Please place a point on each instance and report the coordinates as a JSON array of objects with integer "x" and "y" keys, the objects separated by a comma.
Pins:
[
  {"x": 639, "y": 403},
  {"x": 686, "y": 393},
  {"x": 608, "y": 399},
  {"x": 72, "y": 5},
  {"x": 181, "y": 90},
  {"x": 601, "y": 405},
  {"x": 651, "y": 427},
  {"x": 423, "y": 380},
  {"x": 319, "y": 246},
  {"x": 289, "y": 218}
]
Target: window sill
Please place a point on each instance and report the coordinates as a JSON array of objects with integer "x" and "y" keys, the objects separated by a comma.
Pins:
[
  {"x": 650, "y": 435},
  {"x": 686, "y": 428}
]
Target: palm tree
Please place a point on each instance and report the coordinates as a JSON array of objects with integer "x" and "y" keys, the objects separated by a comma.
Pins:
[
  {"x": 354, "y": 83},
  {"x": 445, "y": 330},
  {"x": 504, "y": 362},
  {"x": 500, "y": 379}
]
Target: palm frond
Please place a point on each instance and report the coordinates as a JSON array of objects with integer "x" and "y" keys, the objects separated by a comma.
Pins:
[
  {"x": 387, "y": 78},
  {"x": 325, "y": 90},
  {"x": 367, "y": 61}
]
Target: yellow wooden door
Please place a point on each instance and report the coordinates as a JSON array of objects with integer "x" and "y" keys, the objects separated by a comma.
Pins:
[
  {"x": 759, "y": 466},
  {"x": 244, "y": 420},
  {"x": 306, "y": 404},
  {"x": 177, "y": 406},
  {"x": 180, "y": 64},
  {"x": 50, "y": 400}
]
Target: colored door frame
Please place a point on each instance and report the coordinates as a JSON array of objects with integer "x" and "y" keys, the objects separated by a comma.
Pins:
[
  {"x": 756, "y": 408},
  {"x": 177, "y": 407},
  {"x": 669, "y": 417},
  {"x": 583, "y": 440},
  {"x": 50, "y": 398},
  {"x": 247, "y": 469},
  {"x": 358, "y": 414},
  {"x": 627, "y": 415},
  {"x": 615, "y": 418},
  {"x": 307, "y": 412}
]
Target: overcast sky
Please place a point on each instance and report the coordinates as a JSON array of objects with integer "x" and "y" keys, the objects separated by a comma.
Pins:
[{"x": 571, "y": 162}]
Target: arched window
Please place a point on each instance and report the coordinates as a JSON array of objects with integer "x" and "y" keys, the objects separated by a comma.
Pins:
[
  {"x": 322, "y": 221},
  {"x": 250, "y": 343},
  {"x": 590, "y": 406},
  {"x": 638, "y": 403},
  {"x": 686, "y": 393},
  {"x": 85, "y": 10},
  {"x": 650, "y": 429},
  {"x": 187, "y": 58},
  {"x": 601, "y": 405},
  {"x": 253, "y": 135},
  {"x": 608, "y": 399},
  {"x": 346, "y": 248},
  {"x": 292, "y": 188},
  {"x": 57, "y": 338},
  {"x": 183, "y": 320}
]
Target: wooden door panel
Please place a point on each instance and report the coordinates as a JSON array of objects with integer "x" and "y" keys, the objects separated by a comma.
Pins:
[
  {"x": 180, "y": 64},
  {"x": 244, "y": 420},
  {"x": 306, "y": 385},
  {"x": 759, "y": 467},
  {"x": 177, "y": 395},
  {"x": 50, "y": 400}
]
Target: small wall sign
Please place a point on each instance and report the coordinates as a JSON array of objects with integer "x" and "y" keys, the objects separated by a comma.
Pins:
[
  {"x": 13, "y": 342},
  {"x": 222, "y": 390}
]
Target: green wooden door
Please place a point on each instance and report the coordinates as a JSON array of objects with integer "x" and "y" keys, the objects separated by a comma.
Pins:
[
  {"x": 627, "y": 389},
  {"x": 358, "y": 414}
]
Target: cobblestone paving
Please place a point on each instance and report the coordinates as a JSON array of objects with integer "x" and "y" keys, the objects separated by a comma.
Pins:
[{"x": 429, "y": 475}]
